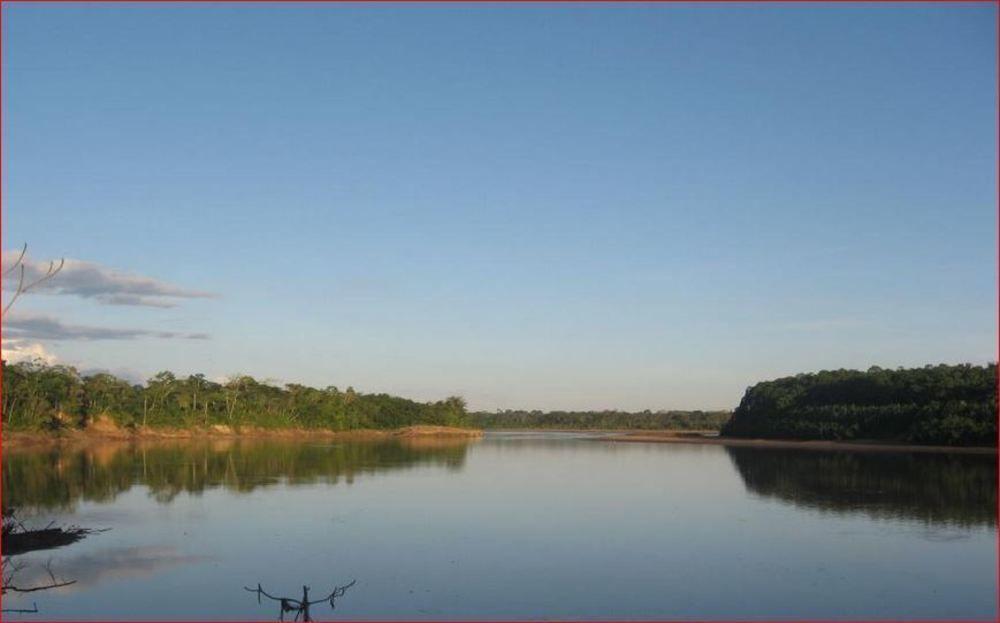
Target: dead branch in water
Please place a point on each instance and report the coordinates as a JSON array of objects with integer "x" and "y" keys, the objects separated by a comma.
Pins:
[
  {"x": 34, "y": 609},
  {"x": 19, "y": 539},
  {"x": 10, "y": 569},
  {"x": 301, "y": 606}
]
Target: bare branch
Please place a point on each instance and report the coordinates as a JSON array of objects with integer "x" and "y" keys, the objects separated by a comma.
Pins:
[
  {"x": 44, "y": 587},
  {"x": 337, "y": 592},
  {"x": 300, "y": 606},
  {"x": 22, "y": 288},
  {"x": 25, "y": 539},
  {"x": 17, "y": 263},
  {"x": 9, "y": 569},
  {"x": 260, "y": 591},
  {"x": 18, "y": 292},
  {"x": 34, "y": 609}
]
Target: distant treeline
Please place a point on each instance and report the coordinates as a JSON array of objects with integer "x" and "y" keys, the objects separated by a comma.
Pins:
[
  {"x": 619, "y": 420},
  {"x": 43, "y": 397},
  {"x": 937, "y": 405}
]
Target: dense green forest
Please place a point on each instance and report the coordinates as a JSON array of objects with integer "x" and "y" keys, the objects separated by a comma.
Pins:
[
  {"x": 42, "y": 397},
  {"x": 606, "y": 420},
  {"x": 950, "y": 405},
  {"x": 940, "y": 405}
]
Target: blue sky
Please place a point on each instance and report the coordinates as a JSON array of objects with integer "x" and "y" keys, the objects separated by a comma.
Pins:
[{"x": 539, "y": 206}]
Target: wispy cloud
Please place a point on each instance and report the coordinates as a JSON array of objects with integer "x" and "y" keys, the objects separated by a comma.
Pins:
[
  {"x": 92, "y": 281},
  {"x": 23, "y": 326}
]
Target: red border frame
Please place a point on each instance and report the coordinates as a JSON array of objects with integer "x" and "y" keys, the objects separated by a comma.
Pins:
[{"x": 996, "y": 266}]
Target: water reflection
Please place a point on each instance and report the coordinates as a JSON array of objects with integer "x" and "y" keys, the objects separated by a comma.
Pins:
[
  {"x": 576, "y": 528},
  {"x": 114, "y": 563},
  {"x": 947, "y": 489},
  {"x": 57, "y": 478}
]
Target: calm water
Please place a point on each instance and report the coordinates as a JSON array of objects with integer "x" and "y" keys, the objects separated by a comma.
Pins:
[{"x": 514, "y": 526}]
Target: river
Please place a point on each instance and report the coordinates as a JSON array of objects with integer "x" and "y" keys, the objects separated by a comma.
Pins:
[{"x": 513, "y": 526}]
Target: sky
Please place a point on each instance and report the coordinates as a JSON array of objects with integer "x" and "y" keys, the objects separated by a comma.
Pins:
[{"x": 551, "y": 206}]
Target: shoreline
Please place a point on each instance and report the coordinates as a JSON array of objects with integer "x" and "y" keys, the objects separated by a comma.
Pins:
[
  {"x": 602, "y": 431},
  {"x": 693, "y": 437},
  {"x": 101, "y": 434}
]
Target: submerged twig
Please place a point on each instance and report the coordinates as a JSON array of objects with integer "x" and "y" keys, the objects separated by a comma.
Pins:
[
  {"x": 34, "y": 609},
  {"x": 10, "y": 569}
]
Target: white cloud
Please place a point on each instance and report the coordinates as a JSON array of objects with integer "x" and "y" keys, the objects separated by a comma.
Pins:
[
  {"x": 92, "y": 281},
  {"x": 14, "y": 350}
]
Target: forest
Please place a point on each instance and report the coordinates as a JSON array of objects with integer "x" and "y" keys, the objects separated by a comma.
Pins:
[
  {"x": 935, "y": 405},
  {"x": 938, "y": 405},
  {"x": 601, "y": 420},
  {"x": 51, "y": 397}
]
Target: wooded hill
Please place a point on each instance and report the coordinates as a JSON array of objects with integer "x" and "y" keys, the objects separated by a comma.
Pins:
[{"x": 937, "y": 405}]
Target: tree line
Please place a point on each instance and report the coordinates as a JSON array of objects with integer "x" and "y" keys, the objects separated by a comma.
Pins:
[
  {"x": 937, "y": 405},
  {"x": 37, "y": 396},
  {"x": 605, "y": 420}
]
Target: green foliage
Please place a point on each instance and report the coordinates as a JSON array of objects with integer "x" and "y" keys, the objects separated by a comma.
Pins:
[
  {"x": 105, "y": 394},
  {"x": 939, "y": 405},
  {"x": 602, "y": 420},
  {"x": 40, "y": 396},
  {"x": 37, "y": 396}
]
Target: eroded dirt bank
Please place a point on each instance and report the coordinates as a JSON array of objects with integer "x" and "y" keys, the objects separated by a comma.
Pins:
[{"x": 105, "y": 430}]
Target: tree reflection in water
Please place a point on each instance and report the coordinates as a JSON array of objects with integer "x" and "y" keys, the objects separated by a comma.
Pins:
[
  {"x": 58, "y": 478},
  {"x": 944, "y": 489}
]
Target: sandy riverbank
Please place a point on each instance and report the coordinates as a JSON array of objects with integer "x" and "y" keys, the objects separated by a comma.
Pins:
[
  {"x": 106, "y": 431},
  {"x": 701, "y": 438}
]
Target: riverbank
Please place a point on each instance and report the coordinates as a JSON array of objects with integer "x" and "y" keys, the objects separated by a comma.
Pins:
[
  {"x": 701, "y": 438},
  {"x": 107, "y": 431},
  {"x": 600, "y": 431}
]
